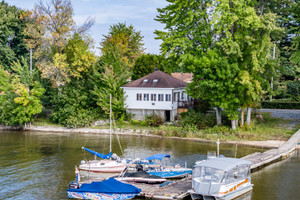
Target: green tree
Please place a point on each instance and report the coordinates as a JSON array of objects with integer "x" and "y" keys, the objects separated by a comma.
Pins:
[
  {"x": 49, "y": 30},
  {"x": 145, "y": 64},
  {"x": 295, "y": 57},
  {"x": 108, "y": 83},
  {"x": 74, "y": 105},
  {"x": 12, "y": 46},
  {"x": 201, "y": 34},
  {"x": 19, "y": 95},
  {"x": 126, "y": 40}
]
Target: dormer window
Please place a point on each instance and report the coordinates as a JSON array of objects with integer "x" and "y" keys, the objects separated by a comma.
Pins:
[
  {"x": 145, "y": 80},
  {"x": 155, "y": 81}
]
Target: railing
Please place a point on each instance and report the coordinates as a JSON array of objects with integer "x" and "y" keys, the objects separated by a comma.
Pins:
[{"x": 185, "y": 104}]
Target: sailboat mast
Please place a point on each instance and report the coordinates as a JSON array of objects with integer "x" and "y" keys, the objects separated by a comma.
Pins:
[{"x": 110, "y": 123}]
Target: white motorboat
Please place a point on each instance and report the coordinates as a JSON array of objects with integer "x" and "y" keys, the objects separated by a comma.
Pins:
[
  {"x": 166, "y": 171},
  {"x": 221, "y": 178}
]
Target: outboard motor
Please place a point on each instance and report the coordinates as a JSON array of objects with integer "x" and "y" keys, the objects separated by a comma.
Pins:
[{"x": 73, "y": 185}]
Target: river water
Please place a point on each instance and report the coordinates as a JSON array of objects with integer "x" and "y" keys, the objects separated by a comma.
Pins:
[{"x": 41, "y": 165}]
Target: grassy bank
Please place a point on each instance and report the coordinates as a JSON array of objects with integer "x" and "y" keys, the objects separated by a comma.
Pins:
[{"x": 267, "y": 129}]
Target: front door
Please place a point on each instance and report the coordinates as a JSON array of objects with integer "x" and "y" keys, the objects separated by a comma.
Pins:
[{"x": 168, "y": 115}]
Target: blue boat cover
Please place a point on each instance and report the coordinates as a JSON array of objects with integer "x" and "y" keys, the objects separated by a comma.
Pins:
[
  {"x": 158, "y": 157},
  {"x": 98, "y": 154},
  {"x": 110, "y": 185}
]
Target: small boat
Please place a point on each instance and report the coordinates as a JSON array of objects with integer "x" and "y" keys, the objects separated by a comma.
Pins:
[
  {"x": 109, "y": 164},
  {"x": 109, "y": 189},
  {"x": 141, "y": 177},
  {"x": 221, "y": 178},
  {"x": 165, "y": 171}
]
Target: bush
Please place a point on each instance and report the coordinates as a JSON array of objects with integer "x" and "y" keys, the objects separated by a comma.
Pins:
[
  {"x": 293, "y": 90},
  {"x": 154, "y": 120},
  {"x": 280, "y": 105},
  {"x": 198, "y": 119}
]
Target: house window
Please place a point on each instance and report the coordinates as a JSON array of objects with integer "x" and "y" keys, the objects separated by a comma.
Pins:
[
  {"x": 182, "y": 96},
  {"x": 168, "y": 97},
  {"x": 146, "y": 97},
  {"x": 153, "y": 97},
  {"x": 175, "y": 96},
  {"x": 145, "y": 80},
  {"x": 155, "y": 81},
  {"x": 139, "y": 97},
  {"x": 160, "y": 97}
]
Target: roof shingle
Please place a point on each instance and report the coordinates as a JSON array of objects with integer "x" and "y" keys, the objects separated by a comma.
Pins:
[{"x": 163, "y": 81}]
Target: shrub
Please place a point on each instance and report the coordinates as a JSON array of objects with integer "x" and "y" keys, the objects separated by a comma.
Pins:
[
  {"x": 280, "y": 105},
  {"x": 154, "y": 120},
  {"x": 198, "y": 119},
  {"x": 293, "y": 90}
]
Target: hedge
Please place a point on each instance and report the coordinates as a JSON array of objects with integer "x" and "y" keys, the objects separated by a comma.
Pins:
[{"x": 280, "y": 105}]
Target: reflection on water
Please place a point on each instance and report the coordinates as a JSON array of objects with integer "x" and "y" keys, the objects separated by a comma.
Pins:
[{"x": 41, "y": 165}]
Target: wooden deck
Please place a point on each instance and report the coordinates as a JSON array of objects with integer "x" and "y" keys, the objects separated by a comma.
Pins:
[{"x": 175, "y": 190}]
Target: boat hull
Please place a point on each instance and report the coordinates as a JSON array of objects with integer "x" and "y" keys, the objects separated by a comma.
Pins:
[
  {"x": 100, "y": 196},
  {"x": 141, "y": 180},
  {"x": 229, "y": 196},
  {"x": 103, "y": 166},
  {"x": 171, "y": 173}
]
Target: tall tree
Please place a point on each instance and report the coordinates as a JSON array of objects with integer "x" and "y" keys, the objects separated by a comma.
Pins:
[
  {"x": 49, "y": 29},
  {"x": 20, "y": 95},
  {"x": 201, "y": 33},
  {"x": 126, "y": 40},
  {"x": 12, "y": 46}
]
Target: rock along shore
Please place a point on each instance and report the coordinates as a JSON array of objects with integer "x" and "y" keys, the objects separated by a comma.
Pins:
[{"x": 269, "y": 144}]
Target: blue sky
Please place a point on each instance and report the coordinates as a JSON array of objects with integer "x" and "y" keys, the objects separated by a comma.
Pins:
[{"x": 139, "y": 13}]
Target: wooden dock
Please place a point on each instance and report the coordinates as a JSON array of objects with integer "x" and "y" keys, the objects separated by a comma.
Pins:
[
  {"x": 260, "y": 160},
  {"x": 179, "y": 189},
  {"x": 175, "y": 190}
]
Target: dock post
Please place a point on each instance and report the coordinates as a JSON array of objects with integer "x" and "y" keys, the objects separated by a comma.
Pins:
[{"x": 218, "y": 143}]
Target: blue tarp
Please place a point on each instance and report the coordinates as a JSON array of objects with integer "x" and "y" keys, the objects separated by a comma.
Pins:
[
  {"x": 98, "y": 154},
  {"x": 158, "y": 157},
  {"x": 110, "y": 185}
]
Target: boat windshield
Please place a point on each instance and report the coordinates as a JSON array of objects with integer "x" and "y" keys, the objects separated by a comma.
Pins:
[
  {"x": 238, "y": 173},
  {"x": 208, "y": 174}
]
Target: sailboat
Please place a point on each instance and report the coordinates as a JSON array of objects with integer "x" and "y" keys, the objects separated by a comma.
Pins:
[{"x": 110, "y": 163}]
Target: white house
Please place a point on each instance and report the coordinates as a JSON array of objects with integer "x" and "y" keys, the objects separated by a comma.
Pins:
[{"x": 157, "y": 93}]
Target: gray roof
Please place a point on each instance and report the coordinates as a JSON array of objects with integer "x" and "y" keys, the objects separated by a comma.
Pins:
[
  {"x": 224, "y": 164},
  {"x": 157, "y": 79}
]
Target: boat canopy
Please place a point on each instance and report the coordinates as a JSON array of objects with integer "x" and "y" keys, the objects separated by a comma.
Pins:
[
  {"x": 158, "y": 157},
  {"x": 110, "y": 185},
  {"x": 98, "y": 154},
  {"x": 225, "y": 164}
]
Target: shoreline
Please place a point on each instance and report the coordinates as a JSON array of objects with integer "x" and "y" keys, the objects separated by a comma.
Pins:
[{"x": 267, "y": 144}]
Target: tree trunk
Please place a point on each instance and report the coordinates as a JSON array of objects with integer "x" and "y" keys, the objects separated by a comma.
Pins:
[
  {"x": 242, "y": 117},
  {"x": 233, "y": 124},
  {"x": 219, "y": 115},
  {"x": 248, "y": 116}
]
